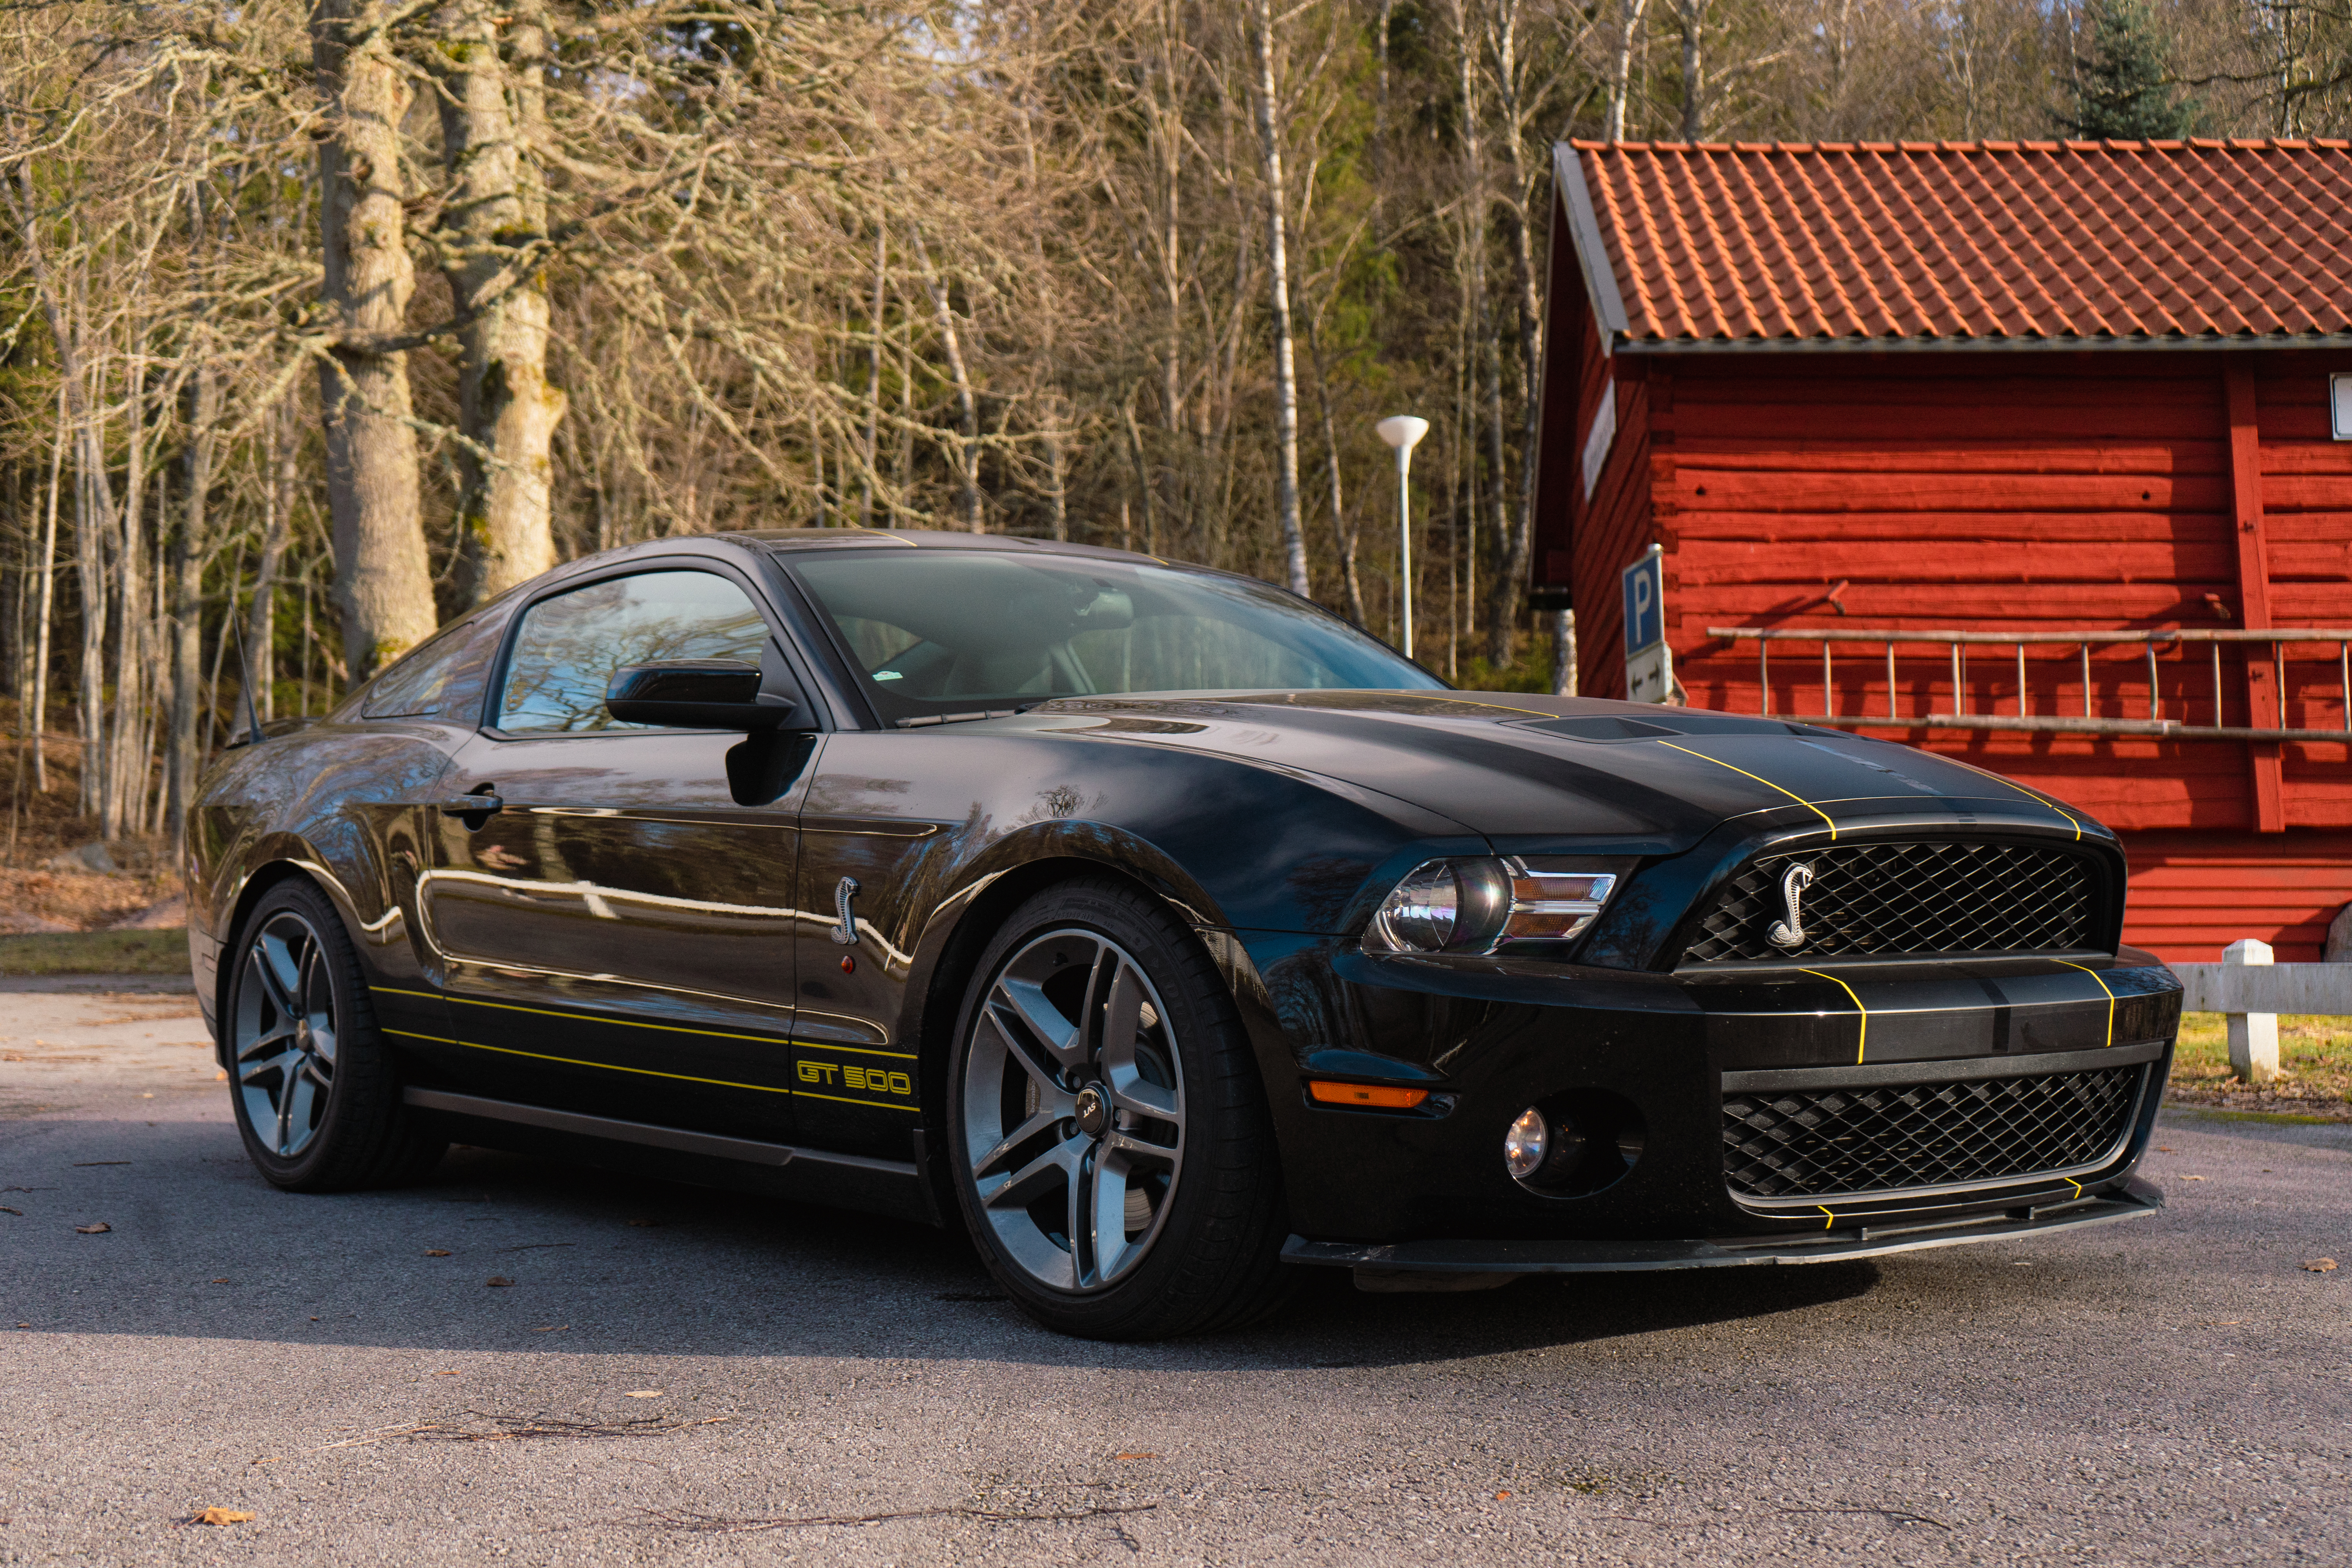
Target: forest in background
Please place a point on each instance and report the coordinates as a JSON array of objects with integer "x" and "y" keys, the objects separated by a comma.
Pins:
[{"x": 322, "y": 322}]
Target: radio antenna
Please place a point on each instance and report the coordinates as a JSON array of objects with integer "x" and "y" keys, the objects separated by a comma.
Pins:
[{"x": 243, "y": 674}]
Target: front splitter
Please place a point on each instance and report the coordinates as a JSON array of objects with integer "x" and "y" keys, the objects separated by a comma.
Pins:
[{"x": 2133, "y": 1200}]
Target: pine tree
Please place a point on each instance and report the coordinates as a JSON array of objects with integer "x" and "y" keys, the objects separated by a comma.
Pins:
[{"x": 2122, "y": 88}]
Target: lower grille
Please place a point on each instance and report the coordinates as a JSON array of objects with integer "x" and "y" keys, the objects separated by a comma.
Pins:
[{"x": 1846, "y": 1142}]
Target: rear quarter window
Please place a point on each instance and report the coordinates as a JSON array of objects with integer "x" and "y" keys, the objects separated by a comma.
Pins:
[{"x": 442, "y": 678}]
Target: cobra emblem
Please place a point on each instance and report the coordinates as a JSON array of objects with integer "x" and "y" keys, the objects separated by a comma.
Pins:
[
  {"x": 844, "y": 930},
  {"x": 1789, "y": 934}
]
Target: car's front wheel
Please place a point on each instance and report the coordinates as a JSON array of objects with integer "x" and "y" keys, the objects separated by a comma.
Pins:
[
  {"x": 317, "y": 1099},
  {"x": 1112, "y": 1152}
]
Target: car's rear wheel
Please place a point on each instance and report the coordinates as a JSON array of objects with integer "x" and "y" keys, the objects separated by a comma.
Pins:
[
  {"x": 317, "y": 1099},
  {"x": 1112, "y": 1153}
]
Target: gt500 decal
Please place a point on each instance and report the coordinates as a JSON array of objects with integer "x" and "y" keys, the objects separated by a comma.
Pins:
[{"x": 862, "y": 1079}]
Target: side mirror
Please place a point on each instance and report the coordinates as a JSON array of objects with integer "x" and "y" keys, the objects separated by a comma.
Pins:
[{"x": 708, "y": 694}]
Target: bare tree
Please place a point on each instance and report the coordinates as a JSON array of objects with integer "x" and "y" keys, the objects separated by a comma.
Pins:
[
  {"x": 1268, "y": 108},
  {"x": 383, "y": 585},
  {"x": 493, "y": 243}
]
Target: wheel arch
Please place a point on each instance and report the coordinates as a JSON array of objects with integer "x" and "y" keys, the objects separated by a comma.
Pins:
[
  {"x": 954, "y": 938},
  {"x": 284, "y": 862}
]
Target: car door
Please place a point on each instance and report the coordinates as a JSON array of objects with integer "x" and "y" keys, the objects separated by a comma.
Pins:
[
  {"x": 616, "y": 921},
  {"x": 878, "y": 810}
]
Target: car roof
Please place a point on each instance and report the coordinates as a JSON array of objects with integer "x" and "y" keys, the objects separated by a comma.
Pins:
[{"x": 803, "y": 541}]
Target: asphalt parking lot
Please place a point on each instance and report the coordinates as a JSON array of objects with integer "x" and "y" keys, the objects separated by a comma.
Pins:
[{"x": 679, "y": 1375}]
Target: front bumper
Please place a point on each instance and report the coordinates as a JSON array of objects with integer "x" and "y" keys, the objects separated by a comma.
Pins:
[
  {"x": 1673, "y": 1052},
  {"x": 2132, "y": 1199}
]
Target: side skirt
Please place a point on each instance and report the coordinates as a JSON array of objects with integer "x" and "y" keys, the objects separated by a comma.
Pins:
[{"x": 892, "y": 1187}]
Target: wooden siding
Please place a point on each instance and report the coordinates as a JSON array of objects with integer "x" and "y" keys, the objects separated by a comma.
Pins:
[
  {"x": 1976, "y": 493},
  {"x": 2193, "y": 894},
  {"x": 1992, "y": 493}
]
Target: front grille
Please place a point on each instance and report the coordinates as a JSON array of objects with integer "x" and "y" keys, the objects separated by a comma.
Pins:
[
  {"x": 1887, "y": 899},
  {"x": 1843, "y": 1142}
]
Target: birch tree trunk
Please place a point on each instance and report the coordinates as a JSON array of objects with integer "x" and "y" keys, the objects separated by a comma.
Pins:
[
  {"x": 186, "y": 622},
  {"x": 1286, "y": 373},
  {"x": 871, "y": 449},
  {"x": 1690, "y": 16},
  {"x": 382, "y": 579},
  {"x": 1342, "y": 533},
  {"x": 45, "y": 599},
  {"x": 1621, "y": 65},
  {"x": 492, "y": 122},
  {"x": 967, "y": 453},
  {"x": 1511, "y": 562}
]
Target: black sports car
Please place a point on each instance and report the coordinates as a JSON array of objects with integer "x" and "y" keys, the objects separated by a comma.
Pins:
[{"x": 1161, "y": 929}]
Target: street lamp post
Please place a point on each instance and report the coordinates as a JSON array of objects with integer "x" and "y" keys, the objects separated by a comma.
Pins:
[{"x": 1404, "y": 432}]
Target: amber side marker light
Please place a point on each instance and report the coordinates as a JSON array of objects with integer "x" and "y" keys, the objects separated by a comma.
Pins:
[{"x": 1328, "y": 1092}]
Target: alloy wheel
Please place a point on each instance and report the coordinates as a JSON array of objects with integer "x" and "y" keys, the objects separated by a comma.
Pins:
[
  {"x": 1073, "y": 1110},
  {"x": 285, "y": 1034}
]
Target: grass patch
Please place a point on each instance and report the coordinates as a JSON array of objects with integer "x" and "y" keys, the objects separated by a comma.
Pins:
[
  {"x": 95, "y": 952},
  {"x": 2314, "y": 1069}
]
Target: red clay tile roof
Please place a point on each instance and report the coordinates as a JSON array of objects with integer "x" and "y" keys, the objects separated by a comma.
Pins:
[{"x": 2074, "y": 244}]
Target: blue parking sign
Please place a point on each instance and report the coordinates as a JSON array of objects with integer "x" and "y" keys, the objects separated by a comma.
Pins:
[{"x": 1645, "y": 602}]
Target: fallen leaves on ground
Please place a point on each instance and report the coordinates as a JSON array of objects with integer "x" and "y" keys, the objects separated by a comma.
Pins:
[
  {"x": 220, "y": 1516},
  {"x": 2196, "y": 1178},
  {"x": 645, "y": 1393},
  {"x": 1139, "y": 1455},
  {"x": 99, "y": 1228},
  {"x": 437, "y": 1252},
  {"x": 497, "y": 1280},
  {"x": 2320, "y": 1265},
  {"x": 553, "y": 1329},
  {"x": 5, "y": 1209}
]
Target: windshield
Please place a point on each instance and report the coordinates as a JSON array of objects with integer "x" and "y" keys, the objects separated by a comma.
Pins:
[{"x": 940, "y": 631}]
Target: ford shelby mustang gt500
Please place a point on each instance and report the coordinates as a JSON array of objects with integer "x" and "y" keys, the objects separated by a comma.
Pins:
[{"x": 1166, "y": 932}]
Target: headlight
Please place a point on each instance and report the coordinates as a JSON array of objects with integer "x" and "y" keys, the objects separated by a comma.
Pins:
[{"x": 1478, "y": 905}]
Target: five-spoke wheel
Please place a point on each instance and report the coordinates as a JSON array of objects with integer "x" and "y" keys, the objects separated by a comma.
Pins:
[
  {"x": 284, "y": 1033},
  {"x": 1073, "y": 1110},
  {"x": 316, "y": 1094},
  {"x": 1111, "y": 1144}
]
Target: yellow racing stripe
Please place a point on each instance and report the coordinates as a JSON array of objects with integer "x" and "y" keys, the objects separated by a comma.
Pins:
[
  {"x": 576, "y": 1062},
  {"x": 1861, "y": 1041},
  {"x": 583, "y": 1017},
  {"x": 869, "y": 1104},
  {"x": 1768, "y": 783},
  {"x": 2110, "y": 998}
]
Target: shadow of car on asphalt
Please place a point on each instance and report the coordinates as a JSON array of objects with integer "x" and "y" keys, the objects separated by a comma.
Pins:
[{"x": 619, "y": 1262}]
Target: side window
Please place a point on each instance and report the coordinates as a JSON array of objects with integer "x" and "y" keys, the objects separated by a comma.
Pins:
[
  {"x": 569, "y": 647},
  {"x": 442, "y": 677}
]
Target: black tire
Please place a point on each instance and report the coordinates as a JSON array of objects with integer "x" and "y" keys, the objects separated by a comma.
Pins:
[
  {"x": 314, "y": 1088},
  {"x": 1192, "y": 1242}
]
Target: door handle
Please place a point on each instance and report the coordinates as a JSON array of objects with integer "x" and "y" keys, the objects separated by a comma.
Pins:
[{"x": 480, "y": 804}]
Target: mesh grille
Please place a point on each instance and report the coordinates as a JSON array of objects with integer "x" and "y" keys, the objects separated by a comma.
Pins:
[
  {"x": 1892, "y": 898},
  {"x": 1816, "y": 1143}
]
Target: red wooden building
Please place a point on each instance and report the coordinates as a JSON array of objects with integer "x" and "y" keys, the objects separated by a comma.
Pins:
[{"x": 2077, "y": 391}]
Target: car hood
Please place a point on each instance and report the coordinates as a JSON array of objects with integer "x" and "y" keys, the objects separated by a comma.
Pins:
[{"x": 1521, "y": 770}]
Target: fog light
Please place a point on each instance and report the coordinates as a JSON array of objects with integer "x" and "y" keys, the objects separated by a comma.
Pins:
[{"x": 1525, "y": 1145}]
